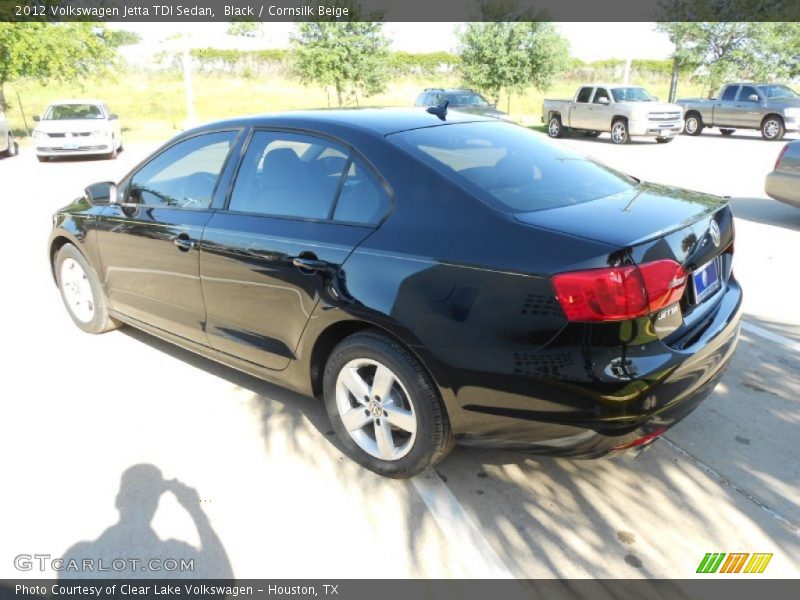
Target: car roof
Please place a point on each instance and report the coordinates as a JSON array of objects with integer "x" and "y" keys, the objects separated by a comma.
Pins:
[
  {"x": 380, "y": 121},
  {"x": 77, "y": 101}
]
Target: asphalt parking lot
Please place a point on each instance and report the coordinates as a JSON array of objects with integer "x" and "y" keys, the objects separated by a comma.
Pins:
[{"x": 276, "y": 498}]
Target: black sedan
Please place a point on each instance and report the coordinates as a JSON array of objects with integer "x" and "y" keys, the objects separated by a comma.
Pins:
[{"x": 434, "y": 277}]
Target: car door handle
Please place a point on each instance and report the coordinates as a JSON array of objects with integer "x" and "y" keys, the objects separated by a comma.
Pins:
[
  {"x": 184, "y": 242},
  {"x": 309, "y": 264}
]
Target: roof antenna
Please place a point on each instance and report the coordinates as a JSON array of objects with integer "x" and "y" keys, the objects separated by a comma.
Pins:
[{"x": 440, "y": 110}]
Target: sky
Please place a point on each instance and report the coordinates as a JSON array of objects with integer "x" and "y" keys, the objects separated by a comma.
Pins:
[{"x": 588, "y": 41}]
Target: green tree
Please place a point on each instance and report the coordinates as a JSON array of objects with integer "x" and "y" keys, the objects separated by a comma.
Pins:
[
  {"x": 510, "y": 56},
  {"x": 244, "y": 28},
  {"x": 48, "y": 51},
  {"x": 349, "y": 56},
  {"x": 722, "y": 51}
]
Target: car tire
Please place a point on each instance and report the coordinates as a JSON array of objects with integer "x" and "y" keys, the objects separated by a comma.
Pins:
[
  {"x": 114, "y": 153},
  {"x": 408, "y": 421},
  {"x": 664, "y": 140},
  {"x": 726, "y": 131},
  {"x": 554, "y": 127},
  {"x": 81, "y": 291},
  {"x": 12, "y": 149},
  {"x": 773, "y": 128},
  {"x": 694, "y": 124},
  {"x": 619, "y": 132}
]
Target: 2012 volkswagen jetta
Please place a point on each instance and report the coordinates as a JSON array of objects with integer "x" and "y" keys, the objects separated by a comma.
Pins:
[{"x": 435, "y": 277}]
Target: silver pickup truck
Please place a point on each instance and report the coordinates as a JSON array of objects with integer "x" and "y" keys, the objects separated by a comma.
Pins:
[
  {"x": 774, "y": 109},
  {"x": 621, "y": 110}
]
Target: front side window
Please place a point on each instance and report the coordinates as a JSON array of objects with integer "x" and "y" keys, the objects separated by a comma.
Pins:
[
  {"x": 730, "y": 92},
  {"x": 68, "y": 112},
  {"x": 184, "y": 175},
  {"x": 584, "y": 95},
  {"x": 511, "y": 167},
  {"x": 300, "y": 176},
  {"x": 601, "y": 93},
  {"x": 747, "y": 91}
]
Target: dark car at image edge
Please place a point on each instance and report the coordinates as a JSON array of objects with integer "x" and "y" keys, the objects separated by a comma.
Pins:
[{"x": 435, "y": 278}]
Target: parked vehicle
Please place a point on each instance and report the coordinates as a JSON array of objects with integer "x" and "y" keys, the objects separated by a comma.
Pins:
[
  {"x": 622, "y": 110},
  {"x": 77, "y": 128},
  {"x": 463, "y": 100},
  {"x": 8, "y": 146},
  {"x": 434, "y": 277},
  {"x": 783, "y": 183},
  {"x": 773, "y": 109}
]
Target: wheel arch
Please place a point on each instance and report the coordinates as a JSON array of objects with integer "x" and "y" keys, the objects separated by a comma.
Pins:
[
  {"x": 772, "y": 114},
  {"x": 58, "y": 241}
]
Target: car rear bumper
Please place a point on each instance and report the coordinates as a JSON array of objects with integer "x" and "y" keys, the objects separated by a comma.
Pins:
[
  {"x": 671, "y": 381},
  {"x": 784, "y": 187}
]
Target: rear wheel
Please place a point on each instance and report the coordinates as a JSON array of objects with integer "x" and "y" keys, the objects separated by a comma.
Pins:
[
  {"x": 619, "y": 132},
  {"x": 693, "y": 125},
  {"x": 384, "y": 406},
  {"x": 554, "y": 127},
  {"x": 726, "y": 131},
  {"x": 773, "y": 128},
  {"x": 81, "y": 291},
  {"x": 664, "y": 140}
]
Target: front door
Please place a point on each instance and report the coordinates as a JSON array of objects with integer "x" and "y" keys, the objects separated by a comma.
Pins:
[
  {"x": 149, "y": 243},
  {"x": 725, "y": 107},
  {"x": 299, "y": 206}
]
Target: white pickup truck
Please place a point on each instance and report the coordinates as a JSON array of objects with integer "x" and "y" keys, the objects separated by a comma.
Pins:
[{"x": 621, "y": 110}]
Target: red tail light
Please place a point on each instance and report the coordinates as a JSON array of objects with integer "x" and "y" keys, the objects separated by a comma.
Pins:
[
  {"x": 780, "y": 156},
  {"x": 642, "y": 440},
  {"x": 619, "y": 293}
]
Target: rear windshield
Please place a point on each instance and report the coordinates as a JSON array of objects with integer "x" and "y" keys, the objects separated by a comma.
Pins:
[
  {"x": 63, "y": 112},
  {"x": 511, "y": 167}
]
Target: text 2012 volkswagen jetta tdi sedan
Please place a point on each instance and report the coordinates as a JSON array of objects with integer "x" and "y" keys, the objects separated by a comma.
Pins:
[{"x": 434, "y": 278}]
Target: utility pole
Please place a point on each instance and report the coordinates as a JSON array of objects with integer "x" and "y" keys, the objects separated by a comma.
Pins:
[{"x": 673, "y": 84}]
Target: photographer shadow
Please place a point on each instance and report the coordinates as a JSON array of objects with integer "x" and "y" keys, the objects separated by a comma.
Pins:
[{"x": 132, "y": 549}]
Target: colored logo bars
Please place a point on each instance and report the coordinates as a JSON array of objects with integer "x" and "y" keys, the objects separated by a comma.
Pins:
[{"x": 719, "y": 562}]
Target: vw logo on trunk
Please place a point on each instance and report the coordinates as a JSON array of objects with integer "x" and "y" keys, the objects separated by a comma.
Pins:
[{"x": 714, "y": 233}]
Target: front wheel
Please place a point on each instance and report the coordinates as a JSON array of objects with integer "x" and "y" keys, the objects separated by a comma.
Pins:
[
  {"x": 664, "y": 140},
  {"x": 773, "y": 128},
  {"x": 554, "y": 127},
  {"x": 81, "y": 291},
  {"x": 619, "y": 132},
  {"x": 384, "y": 407}
]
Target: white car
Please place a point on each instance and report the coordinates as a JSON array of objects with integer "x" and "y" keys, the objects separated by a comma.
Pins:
[
  {"x": 77, "y": 128},
  {"x": 8, "y": 147}
]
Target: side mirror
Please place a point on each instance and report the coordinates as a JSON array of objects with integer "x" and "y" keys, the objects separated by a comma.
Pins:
[
  {"x": 113, "y": 117},
  {"x": 753, "y": 98},
  {"x": 603, "y": 100},
  {"x": 37, "y": 118},
  {"x": 104, "y": 192}
]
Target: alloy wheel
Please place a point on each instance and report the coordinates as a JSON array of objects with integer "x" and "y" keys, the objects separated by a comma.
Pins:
[
  {"x": 77, "y": 290},
  {"x": 691, "y": 124},
  {"x": 376, "y": 409},
  {"x": 771, "y": 128},
  {"x": 554, "y": 127},
  {"x": 618, "y": 132}
]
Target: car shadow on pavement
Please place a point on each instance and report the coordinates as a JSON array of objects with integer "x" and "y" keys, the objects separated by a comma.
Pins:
[
  {"x": 131, "y": 548},
  {"x": 766, "y": 211},
  {"x": 544, "y": 517}
]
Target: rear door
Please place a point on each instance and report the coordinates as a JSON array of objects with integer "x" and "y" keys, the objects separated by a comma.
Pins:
[
  {"x": 299, "y": 206},
  {"x": 725, "y": 107},
  {"x": 580, "y": 113},
  {"x": 148, "y": 244}
]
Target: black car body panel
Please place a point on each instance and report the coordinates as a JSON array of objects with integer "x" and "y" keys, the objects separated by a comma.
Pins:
[{"x": 465, "y": 287}]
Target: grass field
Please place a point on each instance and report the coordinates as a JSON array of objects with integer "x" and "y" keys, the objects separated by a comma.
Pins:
[{"x": 152, "y": 105}]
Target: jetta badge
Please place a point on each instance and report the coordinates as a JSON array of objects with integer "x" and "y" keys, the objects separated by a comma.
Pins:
[{"x": 714, "y": 232}]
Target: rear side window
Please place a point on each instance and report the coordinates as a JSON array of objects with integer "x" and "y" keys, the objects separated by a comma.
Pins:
[
  {"x": 584, "y": 95},
  {"x": 510, "y": 167},
  {"x": 304, "y": 177},
  {"x": 184, "y": 175},
  {"x": 730, "y": 92}
]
